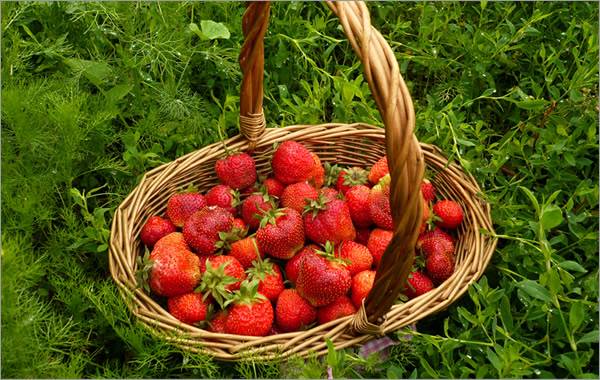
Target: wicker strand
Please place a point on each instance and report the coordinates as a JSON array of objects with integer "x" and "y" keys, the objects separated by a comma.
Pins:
[
  {"x": 360, "y": 323},
  {"x": 252, "y": 127}
]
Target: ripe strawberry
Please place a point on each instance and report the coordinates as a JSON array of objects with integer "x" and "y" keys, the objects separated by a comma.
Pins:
[
  {"x": 357, "y": 198},
  {"x": 437, "y": 233},
  {"x": 237, "y": 171},
  {"x": 362, "y": 235},
  {"x": 223, "y": 275},
  {"x": 449, "y": 212},
  {"x": 269, "y": 276},
  {"x": 217, "y": 324},
  {"x": 357, "y": 256},
  {"x": 223, "y": 196},
  {"x": 378, "y": 170},
  {"x": 362, "y": 283},
  {"x": 181, "y": 206},
  {"x": 170, "y": 240},
  {"x": 274, "y": 187},
  {"x": 351, "y": 177},
  {"x": 379, "y": 204},
  {"x": 328, "y": 221},
  {"x": 292, "y": 163},
  {"x": 246, "y": 251},
  {"x": 440, "y": 266},
  {"x": 321, "y": 281},
  {"x": 293, "y": 312},
  {"x": 154, "y": 229},
  {"x": 292, "y": 266},
  {"x": 189, "y": 308},
  {"x": 378, "y": 242},
  {"x": 297, "y": 195},
  {"x": 329, "y": 193},
  {"x": 428, "y": 191},
  {"x": 281, "y": 234},
  {"x": 437, "y": 244},
  {"x": 418, "y": 284},
  {"x": 254, "y": 207},
  {"x": 340, "y": 307},
  {"x": 201, "y": 230},
  {"x": 174, "y": 271},
  {"x": 240, "y": 225},
  {"x": 318, "y": 176},
  {"x": 250, "y": 312}
]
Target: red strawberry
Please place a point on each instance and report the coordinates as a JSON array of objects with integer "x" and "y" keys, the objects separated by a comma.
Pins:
[
  {"x": 269, "y": 276},
  {"x": 239, "y": 224},
  {"x": 437, "y": 233},
  {"x": 201, "y": 230},
  {"x": 379, "y": 204},
  {"x": 170, "y": 240},
  {"x": 292, "y": 163},
  {"x": 322, "y": 281},
  {"x": 250, "y": 313},
  {"x": 281, "y": 234},
  {"x": 189, "y": 308},
  {"x": 318, "y": 176},
  {"x": 297, "y": 195},
  {"x": 361, "y": 286},
  {"x": 217, "y": 324},
  {"x": 351, "y": 177},
  {"x": 378, "y": 242},
  {"x": 362, "y": 235},
  {"x": 418, "y": 284},
  {"x": 293, "y": 312},
  {"x": 449, "y": 212},
  {"x": 340, "y": 307},
  {"x": 328, "y": 221},
  {"x": 440, "y": 266},
  {"x": 357, "y": 198},
  {"x": 329, "y": 193},
  {"x": 437, "y": 244},
  {"x": 154, "y": 229},
  {"x": 223, "y": 196},
  {"x": 181, "y": 206},
  {"x": 254, "y": 207},
  {"x": 426, "y": 215},
  {"x": 274, "y": 187},
  {"x": 428, "y": 191},
  {"x": 222, "y": 276},
  {"x": 246, "y": 251},
  {"x": 357, "y": 257},
  {"x": 174, "y": 271},
  {"x": 378, "y": 170},
  {"x": 292, "y": 267},
  {"x": 237, "y": 171}
]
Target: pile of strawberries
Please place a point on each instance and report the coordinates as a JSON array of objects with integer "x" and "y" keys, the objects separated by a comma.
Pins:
[{"x": 283, "y": 253}]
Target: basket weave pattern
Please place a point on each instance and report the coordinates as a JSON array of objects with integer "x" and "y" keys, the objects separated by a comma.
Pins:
[{"x": 346, "y": 144}]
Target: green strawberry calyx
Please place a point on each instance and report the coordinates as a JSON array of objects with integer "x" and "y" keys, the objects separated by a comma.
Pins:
[
  {"x": 228, "y": 237},
  {"x": 270, "y": 216},
  {"x": 332, "y": 172},
  {"x": 355, "y": 176},
  {"x": 142, "y": 274},
  {"x": 316, "y": 205},
  {"x": 214, "y": 282},
  {"x": 260, "y": 269},
  {"x": 247, "y": 294},
  {"x": 328, "y": 252}
]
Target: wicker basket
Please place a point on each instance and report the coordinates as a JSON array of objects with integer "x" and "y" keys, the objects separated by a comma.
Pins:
[{"x": 347, "y": 144}]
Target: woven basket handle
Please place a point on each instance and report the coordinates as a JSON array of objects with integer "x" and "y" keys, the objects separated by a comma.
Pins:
[{"x": 405, "y": 159}]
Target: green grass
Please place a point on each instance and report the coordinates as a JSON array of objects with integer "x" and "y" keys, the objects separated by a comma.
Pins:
[{"x": 96, "y": 94}]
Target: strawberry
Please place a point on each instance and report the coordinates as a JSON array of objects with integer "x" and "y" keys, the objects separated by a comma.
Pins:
[
  {"x": 418, "y": 284},
  {"x": 155, "y": 229},
  {"x": 379, "y": 204},
  {"x": 351, "y": 177},
  {"x": 357, "y": 198},
  {"x": 170, "y": 240},
  {"x": 449, "y": 212},
  {"x": 329, "y": 193},
  {"x": 250, "y": 312},
  {"x": 297, "y": 195},
  {"x": 426, "y": 215},
  {"x": 437, "y": 233},
  {"x": 201, "y": 230},
  {"x": 440, "y": 266},
  {"x": 292, "y": 163},
  {"x": 274, "y": 187},
  {"x": 361, "y": 286},
  {"x": 240, "y": 225},
  {"x": 378, "y": 242},
  {"x": 340, "y": 307},
  {"x": 173, "y": 271},
  {"x": 321, "y": 280},
  {"x": 217, "y": 324},
  {"x": 269, "y": 276},
  {"x": 318, "y": 176},
  {"x": 378, "y": 170},
  {"x": 428, "y": 191},
  {"x": 189, "y": 308},
  {"x": 246, "y": 251},
  {"x": 281, "y": 233},
  {"x": 181, "y": 206},
  {"x": 223, "y": 196},
  {"x": 237, "y": 171},
  {"x": 292, "y": 266},
  {"x": 328, "y": 221},
  {"x": 332, "y": 172},
  {"x": 357, "y": 257},
  {"x": 254, "y": 207},
  {"x": 362, "y": 235},
  {"x": 292, "y": 312},
  {"x": 437, "y": 244},
  {"x": 223, "y": 275}
]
